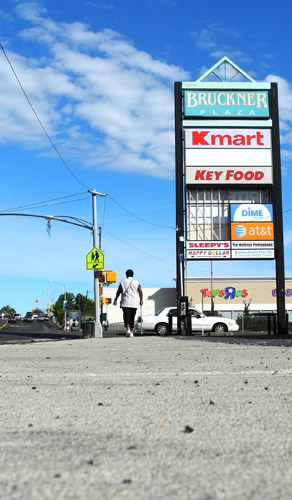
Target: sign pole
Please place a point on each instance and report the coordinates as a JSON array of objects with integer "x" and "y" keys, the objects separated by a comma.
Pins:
[
  {"x": 97, "y": 324},
  {"x": 279, "y": 238},
  {"x": 179, "y": 183}
]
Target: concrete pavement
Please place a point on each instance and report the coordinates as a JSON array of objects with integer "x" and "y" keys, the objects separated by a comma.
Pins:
[{"x": 146, "y": 418}]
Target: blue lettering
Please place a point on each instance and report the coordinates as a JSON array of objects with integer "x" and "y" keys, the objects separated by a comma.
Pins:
[{"x": 230, "y": 292}]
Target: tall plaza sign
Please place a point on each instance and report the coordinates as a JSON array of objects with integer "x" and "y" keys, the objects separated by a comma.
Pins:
[{"x": 228, "y": 172}]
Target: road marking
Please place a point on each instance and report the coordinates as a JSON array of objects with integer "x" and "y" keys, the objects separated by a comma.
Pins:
[{"x": 3, "y": 325}]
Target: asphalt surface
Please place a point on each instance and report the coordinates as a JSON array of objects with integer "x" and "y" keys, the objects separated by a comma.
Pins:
[
  {"x": 143, "y": 418},
  {"x": 33, "y": 332}
]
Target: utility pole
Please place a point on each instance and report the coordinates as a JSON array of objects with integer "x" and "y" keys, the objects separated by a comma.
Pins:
[{"x": 97, "y": 324}]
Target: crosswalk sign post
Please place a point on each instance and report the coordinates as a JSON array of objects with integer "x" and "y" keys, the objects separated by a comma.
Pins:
[{"x": 95, "y": 259}]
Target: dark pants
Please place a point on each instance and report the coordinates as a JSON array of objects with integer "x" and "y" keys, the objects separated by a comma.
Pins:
[{"x": 129, "y": 316}]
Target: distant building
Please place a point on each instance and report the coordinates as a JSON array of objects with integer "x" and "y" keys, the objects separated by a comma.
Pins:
[{"x": 229, "y": 296}]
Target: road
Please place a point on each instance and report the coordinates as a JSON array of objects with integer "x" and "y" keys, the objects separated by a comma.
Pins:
[
  {"x": 149, "y": 417},
  {"x": 35, "y": 331}
]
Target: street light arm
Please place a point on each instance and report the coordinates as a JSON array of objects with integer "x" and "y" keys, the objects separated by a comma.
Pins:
[{"x": 60, "y": 218}]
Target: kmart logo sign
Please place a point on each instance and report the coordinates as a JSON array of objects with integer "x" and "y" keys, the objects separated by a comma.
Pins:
[{"x": 228, "y": 138}]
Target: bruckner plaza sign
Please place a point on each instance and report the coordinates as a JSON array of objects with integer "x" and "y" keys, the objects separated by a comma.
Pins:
[
  {"x": 228, "y": 172},
  {"x": 228, "y": 103}
]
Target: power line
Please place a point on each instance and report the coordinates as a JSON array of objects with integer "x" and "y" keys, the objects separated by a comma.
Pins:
[
  {"x": 138, "y": 249},
  {"x": 38, "y": 119},
  {"x": 42, "y": 203},
  {"x": 137, "y": 217}
]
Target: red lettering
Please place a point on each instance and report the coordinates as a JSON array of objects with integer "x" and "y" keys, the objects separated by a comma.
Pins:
[
  {"x": 218, "y": 175},
  {"x": 229, "y": 174},
  {"x": 204, "y": 291},
  {"x": 200, "y": 175},
  {"x": 249, "y": 175},
  {"x": 221, "y": 139},
  {"x": 258, "y": 176},
  {"x": 238, "y": 175},
  {"x": 199, "y": 138},
  {"x": 239, "y": 140},
  {"x": 249, "y": 139},
  {"x": 259, "y": 137}
]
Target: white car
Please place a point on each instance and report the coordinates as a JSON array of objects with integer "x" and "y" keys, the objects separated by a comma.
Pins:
[
  {"x": 17, "y": 316},
  {"x": 159, "y": 322}
]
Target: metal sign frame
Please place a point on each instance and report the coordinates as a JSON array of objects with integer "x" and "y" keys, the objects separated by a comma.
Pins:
[{"x": 271, "y": 122}]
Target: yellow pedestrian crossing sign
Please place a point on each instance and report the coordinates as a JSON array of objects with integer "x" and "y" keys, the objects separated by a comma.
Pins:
[{"x": 95, "y": 259}]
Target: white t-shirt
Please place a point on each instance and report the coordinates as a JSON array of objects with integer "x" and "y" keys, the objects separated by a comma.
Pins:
[{"x": 130, "y": 294}]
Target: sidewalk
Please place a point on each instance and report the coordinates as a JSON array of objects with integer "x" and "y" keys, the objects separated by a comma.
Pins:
[{"x": 145, "y": 418}]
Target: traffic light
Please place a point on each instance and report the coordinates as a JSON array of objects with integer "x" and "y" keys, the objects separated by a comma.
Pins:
[
  {"x": 102, "y": 277},
  {"x": 111, "y": 277},
  {"x": 106, "y": 300}
]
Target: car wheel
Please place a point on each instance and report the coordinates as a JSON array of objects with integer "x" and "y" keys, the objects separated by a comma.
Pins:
[
  {"x": 162, "y": 329},
  {"x": 220, "y": 328}
]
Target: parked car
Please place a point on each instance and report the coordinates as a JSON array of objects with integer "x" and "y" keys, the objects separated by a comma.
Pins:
[
  {"x": 17, "y": 316},
  {"x": 159, "y": 322},
  {"x": 27, "y": 318},
  {"x": 46, "y": 317},
  {"x": 74, "y": 325},
  {"x": 11, "y": 319}
]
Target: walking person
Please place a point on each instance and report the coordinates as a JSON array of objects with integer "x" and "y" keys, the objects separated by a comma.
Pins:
[{"x": 131, "y": 296}]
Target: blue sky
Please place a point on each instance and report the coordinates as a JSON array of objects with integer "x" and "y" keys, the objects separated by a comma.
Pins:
[{"x": 100, "y": 77}]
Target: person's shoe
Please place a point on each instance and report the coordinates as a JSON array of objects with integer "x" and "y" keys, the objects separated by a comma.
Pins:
[
  {"x": 131, "y": 334},
  {"x": 128, "y": 332}
]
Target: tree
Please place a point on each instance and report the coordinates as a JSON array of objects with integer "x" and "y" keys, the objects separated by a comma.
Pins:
[
  {"x": 59, "y": 306},
  {"x": 246, "y": 311},
  {"x": 86, "y": 305},
  {"x": 37, "y": 310},
  {"x": 8, "y": 310}
]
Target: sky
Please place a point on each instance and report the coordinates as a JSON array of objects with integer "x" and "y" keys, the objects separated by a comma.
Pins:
[{"x": 87, "y": 102}]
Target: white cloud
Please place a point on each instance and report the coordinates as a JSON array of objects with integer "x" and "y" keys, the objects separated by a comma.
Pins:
[
  {"x": 94, "y": 85},
  {"x": 210, "y": 38},
  {"x": 285, "y": 96}
]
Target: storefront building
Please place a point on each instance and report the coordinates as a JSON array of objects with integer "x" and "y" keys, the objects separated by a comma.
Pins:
[{"x": 231, "y": 296}]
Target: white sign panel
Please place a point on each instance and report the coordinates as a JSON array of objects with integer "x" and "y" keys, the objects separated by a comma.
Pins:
[
  {"x": 190, "y": 245},
  {"x": 228, "y": 157},
  {"x": 251, "y": 212},
  {"x": 227, "y": 138},
  {"x": 246, "y": 245},
  {"x": 253, "y": 254},
  {"x": 208, "y": 254},
  {"x": 243, "y": 175}
]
